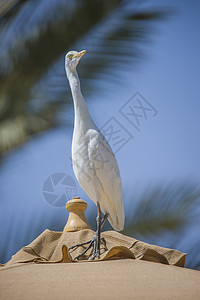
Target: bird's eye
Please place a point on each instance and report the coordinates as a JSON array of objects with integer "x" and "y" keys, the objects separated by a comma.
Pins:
[{"x": 70, "y": 56}]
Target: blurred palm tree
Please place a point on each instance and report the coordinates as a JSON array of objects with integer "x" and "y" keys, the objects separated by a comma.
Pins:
[
  {"x": 32, "y": 41},
  {"x": 34, "y": 36},
  {"x": 166, "y": 215}
]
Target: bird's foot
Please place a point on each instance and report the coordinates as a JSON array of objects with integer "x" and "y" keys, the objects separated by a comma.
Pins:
[
  {"x": 96, "y": 240},
  {"x": 96, "y": 247}
]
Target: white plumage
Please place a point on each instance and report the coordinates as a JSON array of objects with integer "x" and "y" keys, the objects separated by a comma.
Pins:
[{"x": 94, "y": 163}]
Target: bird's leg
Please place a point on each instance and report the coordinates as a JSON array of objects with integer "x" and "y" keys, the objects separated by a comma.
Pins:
[
  {"x": 96, "y": 240},
  {"x": 96, "y": 250},
  {"x": 105, "y": 217},
  {"x": 102, "y": 223}
]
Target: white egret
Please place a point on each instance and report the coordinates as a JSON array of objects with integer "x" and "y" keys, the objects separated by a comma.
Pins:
[{"x": 93, "y": 161}]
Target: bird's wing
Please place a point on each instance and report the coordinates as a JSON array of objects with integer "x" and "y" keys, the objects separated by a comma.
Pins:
[{"x": 107, "y": 179}]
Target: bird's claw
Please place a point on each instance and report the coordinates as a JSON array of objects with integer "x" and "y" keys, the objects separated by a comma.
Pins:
[{"x": 96, "y": 251}]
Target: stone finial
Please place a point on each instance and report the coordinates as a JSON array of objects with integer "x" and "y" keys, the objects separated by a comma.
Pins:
[{"x": 76, "y": 220}]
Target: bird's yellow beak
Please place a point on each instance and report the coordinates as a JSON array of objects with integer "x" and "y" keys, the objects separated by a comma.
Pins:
[{"x": 79, "y": 54}]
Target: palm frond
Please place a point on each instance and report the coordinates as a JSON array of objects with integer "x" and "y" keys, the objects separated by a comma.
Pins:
[
  {"x": 17, "y": 131},
  {"x": 32, "y": 73},
  {"x": 30, "y": 59},
  {"x": 9, "y": 8},
  {"x": 163, "y": 209}
]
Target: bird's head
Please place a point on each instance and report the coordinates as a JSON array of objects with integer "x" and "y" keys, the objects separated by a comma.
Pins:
[{"x": 72, "y": 59}]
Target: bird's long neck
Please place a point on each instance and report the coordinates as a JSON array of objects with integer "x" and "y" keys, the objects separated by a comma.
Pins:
[{"x": 82, "y": 117}]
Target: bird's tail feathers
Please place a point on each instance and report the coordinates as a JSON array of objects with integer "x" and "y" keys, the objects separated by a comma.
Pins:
[{"x": 117, "y": 222}]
